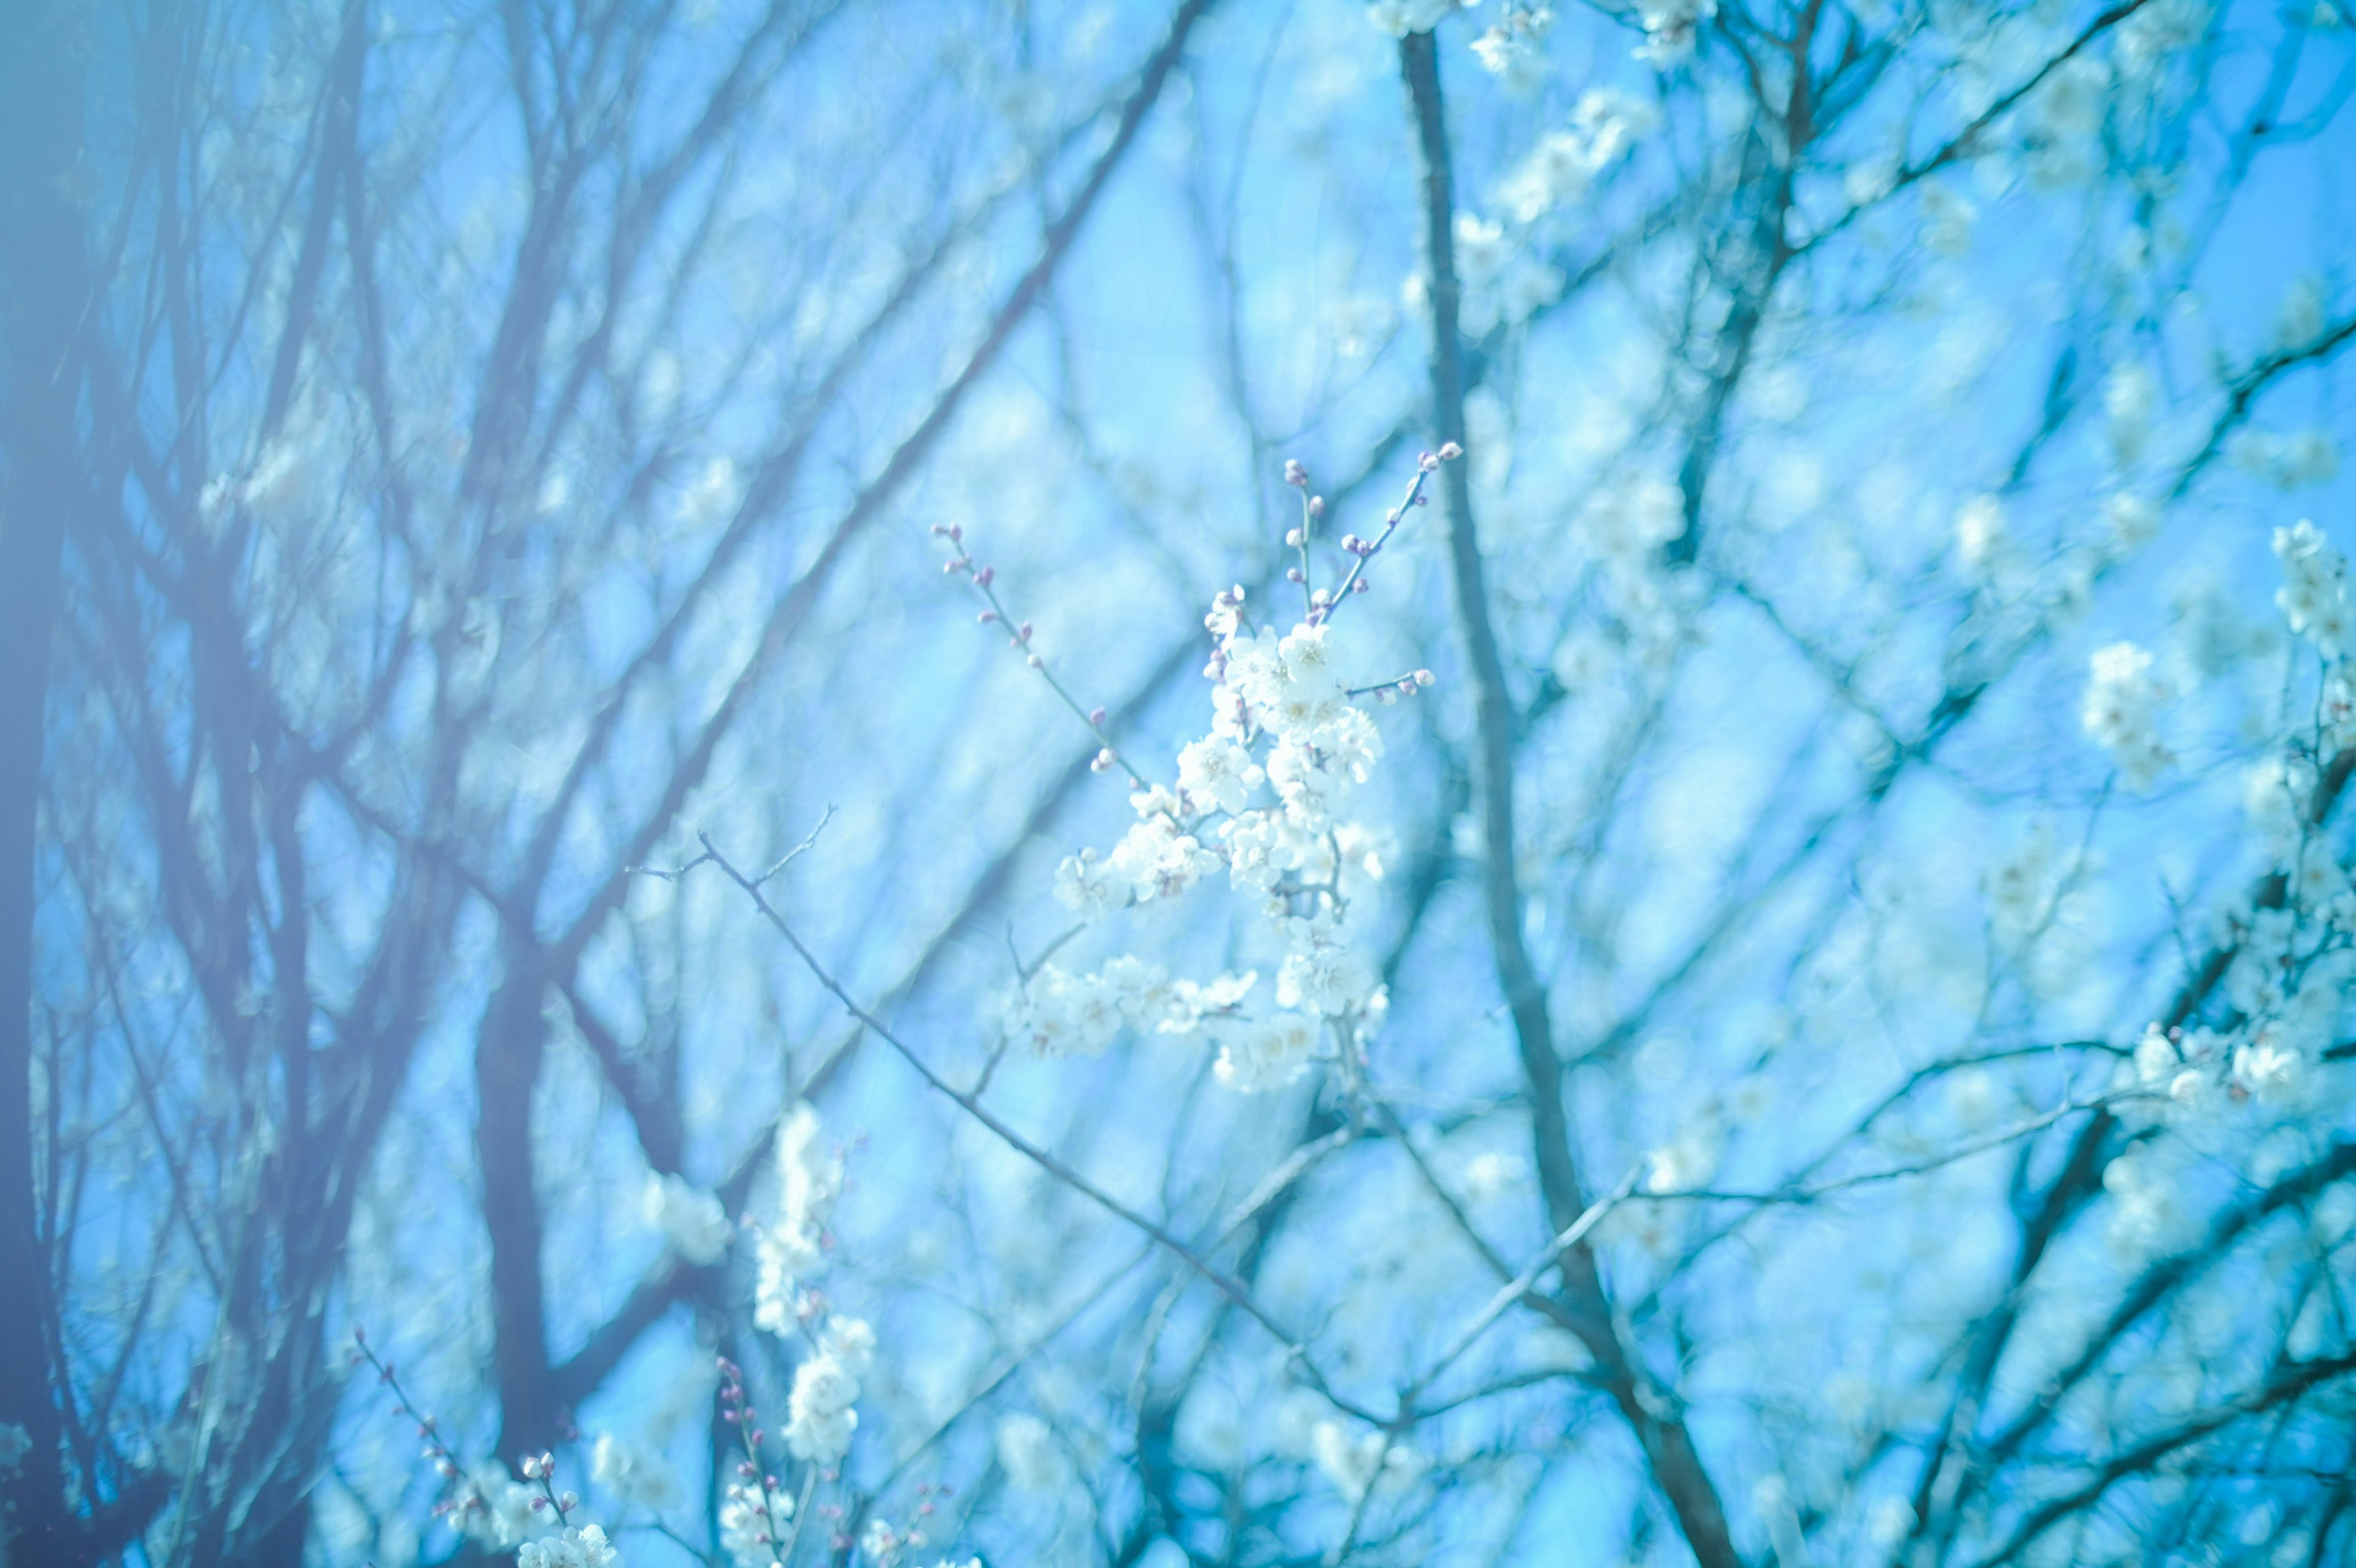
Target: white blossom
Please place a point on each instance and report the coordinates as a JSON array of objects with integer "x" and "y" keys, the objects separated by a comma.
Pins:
[
  {"x": 1260, "y": 1054},
  {"x": 2121, "y": 711},
  {"x": 819, "y": 1418},
  {"x": 2314, "y": 594},
  {"x": 583, "y": 1548},
  {"x": 1089, "y": 886},
  {"x": 693, "y": 1222},
  {"x": 1218, "y": 772},
  {"x": 791, "y": 1246},
  {"x": 630, "y": 1477}
]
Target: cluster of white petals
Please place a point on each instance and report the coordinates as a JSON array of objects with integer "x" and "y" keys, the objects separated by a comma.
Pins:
[
  {"x": 1283, "y": 724},
  {"x": 2314, "y": 594},
  {"x": 792, "y": 1248},
  {"x": 819, "y": 1420},
  {"x": 583, "y": 1548},
  {"x": 692, "y": 1221},
  {"x": 630, "y": 1477},
  {"x": 2122, "y": 712}
]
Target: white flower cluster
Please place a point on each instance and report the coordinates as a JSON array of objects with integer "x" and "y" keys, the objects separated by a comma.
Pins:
[
  {"x": 2289, "y": 460},
  {"x": 583, "y": 1548},
  {"x": 1282, "y": 724},
  {"x": 792, "y": 1243},
  {"x": 497, "y": 1508},
  {"x": 692, "y": 1221},
  {"x": 2122, "y": 712},
  {"x": 1604, "y": 125},
  {"x": 2314, "y": 594},
  {"x": 630, "y": 1477},
  {"x": 745, "y": 1516},
  {"x": 819, "y": 1418},
  {"x": 1670, "y": 29},
  {"x": 1513, "y": 48}
]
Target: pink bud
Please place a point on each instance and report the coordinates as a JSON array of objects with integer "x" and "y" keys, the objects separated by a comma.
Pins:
[
  {"x": 1450, "y": 452},
  {"x": 1316, "y": 506},
  {"x": 1423, "y": 677},
  {"x": 1294, "y": 474},
  {"x": 1096, "y": 717},
  {"x": 1292, "y": 574},
  {"x": 1428, "y": 463},
  {"x": 986, "y": 576},
  {"x": 987, "y": 616},
  {"x": 937, "y": 530},
  {"x": 1037, "y": 663},
  {"x": 1423, "y": 500},
  {"x": 1360, "y": 586},
  {"x": 956, "y": 532},
  {"x": 1392, "y": 518},
  {"x": 1024, "y": 631}
]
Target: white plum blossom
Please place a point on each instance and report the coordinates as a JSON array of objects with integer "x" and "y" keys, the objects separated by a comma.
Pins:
[
  {"x": 1089, "y": 886},
  {"x": 693, "y": 1222},
  {"x": 819, "y": 1418},
  {"x": 2269, "y": 1070},
  {"x": 2314, "y": 594},
  {"x": 1559, "y": 168},
  {"x": 1331, "y": 980},
  {"x": 1260, "y": 1054},
  {"x": 2122, "y": 712},
  {"x": 1218, "y": 772},
  {"x": 1670, "y": 29},
  {"x": 1159, "y": 860},
  {"x": 500, "y": 1512},
  {"x": 792, "y": 1243},
  {"x": 632, "y": 1478},
  {"x": 583, "y": 1548},
  {"x": 745, "y": 1519},
  {"x": 1063, "y": 1014}
]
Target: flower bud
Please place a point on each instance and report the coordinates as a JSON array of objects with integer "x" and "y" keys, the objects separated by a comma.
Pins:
[
  {"x": 1316, "y": 506},
  {"x": 987, "y": 616},
  {"x": 1361, "y": 585},
  {"x": 1450, "y": 451},
  {"x": 1096, "y": 717},
  {"x": 1024, "y": 631},
  {"x": 1429, "y": 462},
  {"x": 1423, "y": 677},
  {"x": 986, "y": 576},
  {"x": 1037, "y": 663},
  {"x": 1292, "y": 574},
  {"x": 1294, "y": 474},
  {"x": 1292, "y": 539}
]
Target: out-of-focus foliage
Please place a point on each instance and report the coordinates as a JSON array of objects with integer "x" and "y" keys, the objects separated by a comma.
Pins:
[{"x": 1773, "y": 989}]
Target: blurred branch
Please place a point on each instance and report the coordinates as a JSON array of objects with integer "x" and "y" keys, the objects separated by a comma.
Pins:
[{"x": 1677, "y": 1467}]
